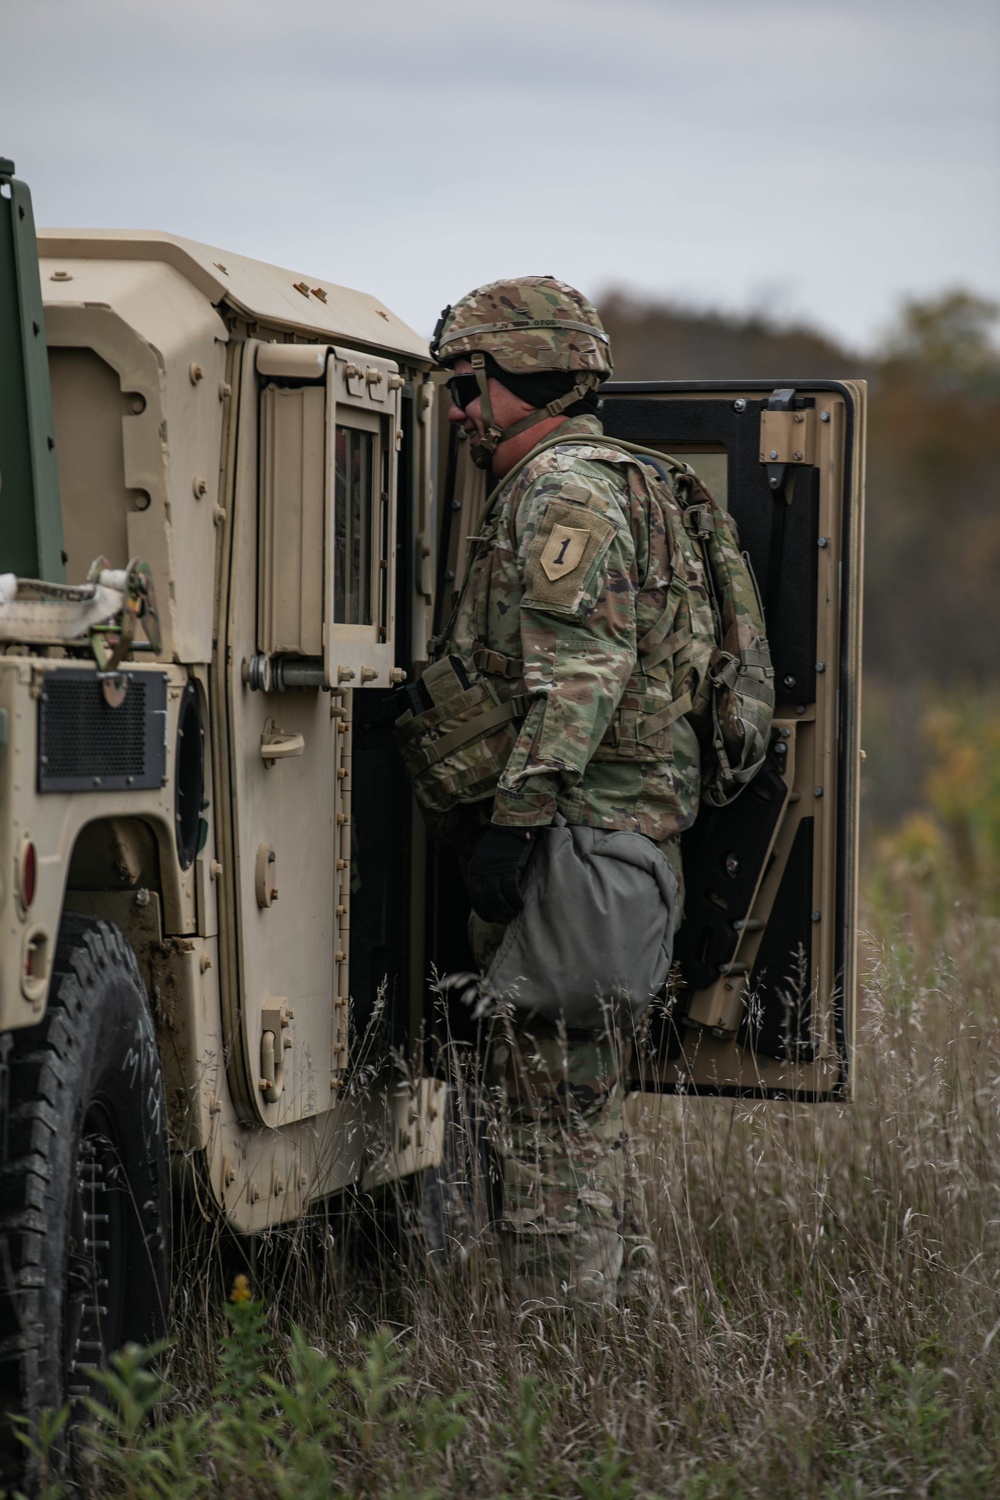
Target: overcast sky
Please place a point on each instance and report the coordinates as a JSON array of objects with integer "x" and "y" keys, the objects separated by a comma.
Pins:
[{"x": 817, "y": 158}]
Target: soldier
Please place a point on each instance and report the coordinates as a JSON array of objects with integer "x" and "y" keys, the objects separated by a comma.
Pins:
[{"x": 569, "y": 649}]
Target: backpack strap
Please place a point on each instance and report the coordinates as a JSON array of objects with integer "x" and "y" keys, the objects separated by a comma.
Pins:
[{"x": 497, "y": 663}]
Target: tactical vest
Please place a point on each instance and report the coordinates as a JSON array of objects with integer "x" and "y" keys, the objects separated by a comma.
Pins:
[{"x": 702, "y": 657}]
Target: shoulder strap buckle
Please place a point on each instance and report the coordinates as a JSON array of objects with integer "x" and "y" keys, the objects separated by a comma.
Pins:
[{"x": 496, "y": 663}]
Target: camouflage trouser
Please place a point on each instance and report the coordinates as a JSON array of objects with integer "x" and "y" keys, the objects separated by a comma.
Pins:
[{"x": 573, "y": 1223}]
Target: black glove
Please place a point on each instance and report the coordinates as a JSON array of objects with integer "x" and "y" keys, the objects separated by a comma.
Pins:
[{"x": 496, "y": 870}]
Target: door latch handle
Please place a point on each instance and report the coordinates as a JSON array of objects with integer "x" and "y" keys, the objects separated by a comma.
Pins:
[{"x": 275, "y": 744}]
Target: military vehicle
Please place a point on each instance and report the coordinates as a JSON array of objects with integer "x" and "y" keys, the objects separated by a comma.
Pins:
[{"x": 231, "y": 515}]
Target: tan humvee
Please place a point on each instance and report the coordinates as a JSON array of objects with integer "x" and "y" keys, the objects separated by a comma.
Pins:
[
  {"x": 210, "y": 414},
  {"x": 229, "y": 800}
]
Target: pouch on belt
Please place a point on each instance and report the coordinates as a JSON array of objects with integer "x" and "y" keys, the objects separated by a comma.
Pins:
[{"x": 455, "y": 734}]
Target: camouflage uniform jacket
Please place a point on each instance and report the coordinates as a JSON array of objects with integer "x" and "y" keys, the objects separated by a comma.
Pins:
[{"x": 565, "y": 597}]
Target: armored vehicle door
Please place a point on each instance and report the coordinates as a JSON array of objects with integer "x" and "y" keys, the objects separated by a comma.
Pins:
[
  {"x": 761, "y": 1000},
  {"x": 765, "y": 977},
  {"x": 310, "y": 628}
]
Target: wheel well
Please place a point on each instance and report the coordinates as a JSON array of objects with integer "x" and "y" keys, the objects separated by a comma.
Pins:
[
  {"x": 115, "y": 854},
  {"x": 114, "y": 872}
]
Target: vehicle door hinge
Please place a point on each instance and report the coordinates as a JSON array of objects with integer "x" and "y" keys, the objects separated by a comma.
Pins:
[
  {"x": 786, "y": 434},
  {"x": 275, "y": 1018}
]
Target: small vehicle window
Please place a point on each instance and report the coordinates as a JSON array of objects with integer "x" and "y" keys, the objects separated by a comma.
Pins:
[{"x": 354, "y": 517}]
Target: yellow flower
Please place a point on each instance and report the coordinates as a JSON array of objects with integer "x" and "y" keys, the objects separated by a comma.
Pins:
[{"x": 241, "y": 1290}]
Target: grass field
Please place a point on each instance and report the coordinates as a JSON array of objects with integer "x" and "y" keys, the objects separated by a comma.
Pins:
[{"x": 828, "y": 1324}]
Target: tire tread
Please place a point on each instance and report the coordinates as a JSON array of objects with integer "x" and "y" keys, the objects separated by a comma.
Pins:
[{"x": 42, "y": 1059}]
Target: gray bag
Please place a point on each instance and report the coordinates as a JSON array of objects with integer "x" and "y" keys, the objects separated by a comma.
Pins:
[{"x": 596, "y": 934}]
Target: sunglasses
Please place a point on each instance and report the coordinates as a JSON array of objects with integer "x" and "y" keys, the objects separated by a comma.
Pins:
[{"x": 463, "y": 389}]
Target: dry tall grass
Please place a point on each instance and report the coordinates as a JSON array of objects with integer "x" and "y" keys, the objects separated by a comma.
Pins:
[{"x": 828, "y": 1323}]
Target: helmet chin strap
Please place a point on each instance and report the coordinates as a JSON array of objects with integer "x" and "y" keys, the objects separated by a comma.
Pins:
[{"x": 482, "y": 452}]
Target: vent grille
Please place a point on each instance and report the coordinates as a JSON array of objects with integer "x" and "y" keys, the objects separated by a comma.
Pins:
[{"x": 86, "y": 745}]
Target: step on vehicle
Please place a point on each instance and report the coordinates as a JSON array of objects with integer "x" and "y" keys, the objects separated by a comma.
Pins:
[{"x": 231, "y": 516}]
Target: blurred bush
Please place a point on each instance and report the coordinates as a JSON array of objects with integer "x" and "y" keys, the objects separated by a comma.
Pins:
[{"x": 947, "y": 851}]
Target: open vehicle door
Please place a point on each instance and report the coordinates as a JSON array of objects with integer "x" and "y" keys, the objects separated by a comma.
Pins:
[
  {"x": 763, "y": 996},
  {"x": 766, "y": 952}
]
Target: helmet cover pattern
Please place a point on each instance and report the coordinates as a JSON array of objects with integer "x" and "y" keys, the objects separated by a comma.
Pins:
[{"x": 526, "y": 323}]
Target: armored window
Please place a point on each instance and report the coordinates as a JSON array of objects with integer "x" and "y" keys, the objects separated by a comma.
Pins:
[
  {"x": 329, "y": 427},
  {"x": 354, "y": 523}
]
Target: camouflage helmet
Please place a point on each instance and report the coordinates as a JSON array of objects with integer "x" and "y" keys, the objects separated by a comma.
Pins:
[{"x": 527, "y": 324}]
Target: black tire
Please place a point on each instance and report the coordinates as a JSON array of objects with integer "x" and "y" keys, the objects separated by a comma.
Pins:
[{"x": 84, "y": 1184}]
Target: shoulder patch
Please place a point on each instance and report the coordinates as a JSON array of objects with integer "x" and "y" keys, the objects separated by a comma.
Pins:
[
  {"x": 563, "y": 552},
  {"x": 564, "y": 567}
]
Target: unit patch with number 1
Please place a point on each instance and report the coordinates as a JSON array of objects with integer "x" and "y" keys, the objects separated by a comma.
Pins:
[
  {"x": 564, "y": 550},
  {"x": 563, "y": 572}
]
